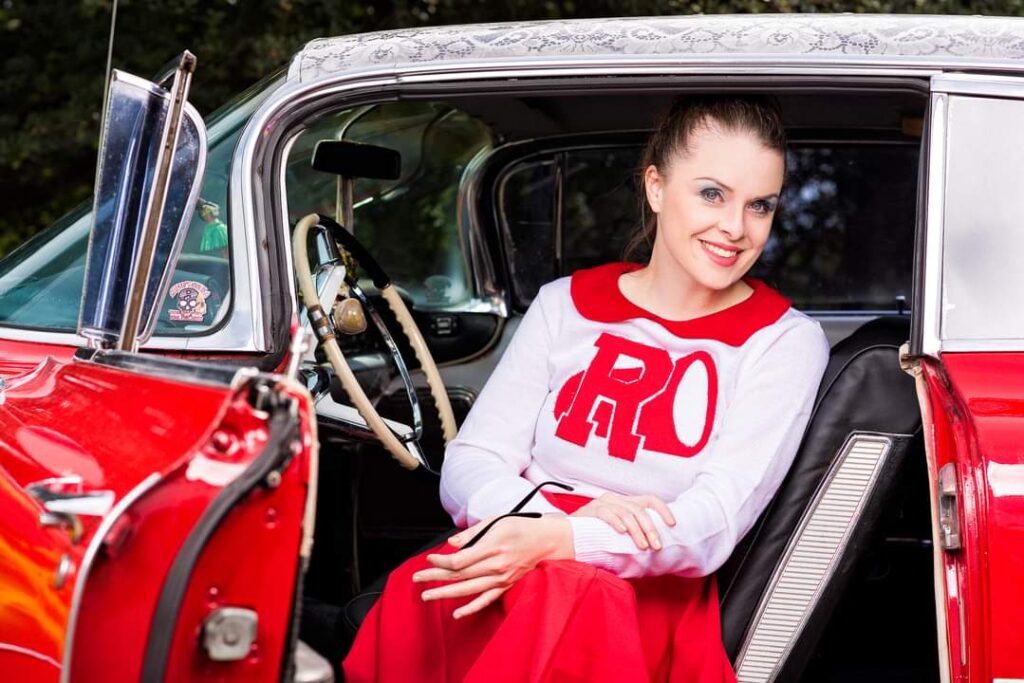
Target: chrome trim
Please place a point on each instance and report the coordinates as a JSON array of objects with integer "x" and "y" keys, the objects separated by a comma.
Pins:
[
  {"x": 978, "y": 84},
  {"x": 931, "y": 301},
  {"x": 310, "y": 667},
  {"x": 997, "y": 345},
  {"x": 17, "y": 649},
  {"x": 644, "y": 65},
  {"x": 810, "y": 557},
  {"x": 87, "y": 560},
  {"x": 489, "y": 297},
  {"x": 286, "y": 151},
  {"x": 396, "y": 358}
]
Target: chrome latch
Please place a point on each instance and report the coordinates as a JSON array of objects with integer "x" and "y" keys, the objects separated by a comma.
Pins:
[
  {"x": 229, "y": 632},
  {"x": 64, "y": 500},
  {"x": 949, "y": 516}
]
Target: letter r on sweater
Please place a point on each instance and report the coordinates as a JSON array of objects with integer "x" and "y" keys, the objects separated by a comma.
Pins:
[{"x": 631, "y": 404}]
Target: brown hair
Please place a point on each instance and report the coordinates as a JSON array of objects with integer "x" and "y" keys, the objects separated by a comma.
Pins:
[{"x": 736, "y": 113}]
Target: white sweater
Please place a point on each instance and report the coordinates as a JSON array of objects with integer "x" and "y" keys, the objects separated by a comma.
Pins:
[{"x": 597, "y": 393}]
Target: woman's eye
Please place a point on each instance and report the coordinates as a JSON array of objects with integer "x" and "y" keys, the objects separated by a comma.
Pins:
[
  {"x": 712, "y": 194},
  {"x": 763, "y": 207}
]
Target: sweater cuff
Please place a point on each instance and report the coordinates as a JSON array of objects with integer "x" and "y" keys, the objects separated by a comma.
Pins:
[{"x": 594, "y": 542}]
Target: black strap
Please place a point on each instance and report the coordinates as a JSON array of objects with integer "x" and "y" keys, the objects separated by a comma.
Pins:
[{"x": 515, "y": 512}]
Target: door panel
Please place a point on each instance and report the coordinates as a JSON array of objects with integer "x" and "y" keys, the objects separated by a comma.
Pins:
[
  {"x": 166, "y": 449},
  {"x": 978, "y": 400},
  {"x": 969, "y": 348}
]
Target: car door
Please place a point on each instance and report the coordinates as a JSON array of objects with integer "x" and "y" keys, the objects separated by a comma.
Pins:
[
  {"x": 157, "y": 512},
  {"x": 967, "y": 354},
  {"x": 146, "y": 501}
]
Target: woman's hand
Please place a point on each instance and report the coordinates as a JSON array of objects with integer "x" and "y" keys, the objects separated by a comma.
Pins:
[
  {"x": 511, "y": 548},
  {"x": 629, "y": 514}
]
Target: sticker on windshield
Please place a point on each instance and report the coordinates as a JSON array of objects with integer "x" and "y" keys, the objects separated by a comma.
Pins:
[{"x": 190, "y": 297}]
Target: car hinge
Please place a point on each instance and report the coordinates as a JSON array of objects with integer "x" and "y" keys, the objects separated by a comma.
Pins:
[{"x": 910, "y": 363}]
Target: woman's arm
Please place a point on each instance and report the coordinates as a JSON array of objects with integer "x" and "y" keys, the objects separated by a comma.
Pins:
[
  {"x": 482, "y": 472},
  {"x": 758, "y": 439}
]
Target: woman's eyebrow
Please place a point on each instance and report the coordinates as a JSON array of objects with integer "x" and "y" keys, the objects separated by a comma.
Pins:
[
  {"x": 715, "y": 180},
  {"x": 774, "y": 195}
]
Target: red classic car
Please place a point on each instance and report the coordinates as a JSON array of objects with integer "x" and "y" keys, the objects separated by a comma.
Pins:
[{"x": 169, "y": 433}]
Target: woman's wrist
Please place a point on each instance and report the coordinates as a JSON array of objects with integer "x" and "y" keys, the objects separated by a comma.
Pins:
[{"x": 558, "y": 534}]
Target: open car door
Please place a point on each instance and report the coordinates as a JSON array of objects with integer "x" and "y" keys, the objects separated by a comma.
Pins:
[
  {"x": 154, "y": 513},
  {"x": 153, "y": 521},
  {"x": 967, "y": 353}
]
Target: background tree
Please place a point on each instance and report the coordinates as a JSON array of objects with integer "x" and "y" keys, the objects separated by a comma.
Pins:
[{"x": 55, "y": 53}]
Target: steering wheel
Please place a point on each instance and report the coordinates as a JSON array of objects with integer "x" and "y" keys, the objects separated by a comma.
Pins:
[{"x": 325, "y": 333}]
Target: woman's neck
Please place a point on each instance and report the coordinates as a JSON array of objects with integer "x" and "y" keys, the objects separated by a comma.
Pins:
[{"x": 668, "y": 291}]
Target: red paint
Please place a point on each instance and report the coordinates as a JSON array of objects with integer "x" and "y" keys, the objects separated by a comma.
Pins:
[
  {"x": 115, "y": 428},
  {"x": 17, "y": 357},
  {"x": 976, "y": 400}
]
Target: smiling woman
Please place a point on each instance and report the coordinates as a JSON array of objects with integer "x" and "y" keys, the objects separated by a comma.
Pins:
[{"x": 661, "y": 499}]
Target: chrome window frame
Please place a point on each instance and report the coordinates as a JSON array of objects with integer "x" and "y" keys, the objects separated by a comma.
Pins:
[
  {"x": 278, "y": 121},
  {"x": 931, "y": 340}
]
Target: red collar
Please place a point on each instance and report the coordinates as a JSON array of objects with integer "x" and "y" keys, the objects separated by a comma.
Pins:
[{"x": 596, "y": 295}]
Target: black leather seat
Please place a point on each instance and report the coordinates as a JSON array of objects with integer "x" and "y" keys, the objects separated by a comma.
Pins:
[{"x": 863, "y": 394}]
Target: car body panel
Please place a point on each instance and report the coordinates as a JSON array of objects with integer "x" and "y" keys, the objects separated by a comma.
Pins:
[
  {"x": 977, "y": 400},
  {"x": 147, "y": 428}
]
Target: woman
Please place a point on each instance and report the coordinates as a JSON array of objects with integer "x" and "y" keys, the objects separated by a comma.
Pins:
[{"x": 671, "y": 398}]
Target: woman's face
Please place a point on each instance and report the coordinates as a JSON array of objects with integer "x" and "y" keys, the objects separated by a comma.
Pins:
[{"x": 715, "y": 204}]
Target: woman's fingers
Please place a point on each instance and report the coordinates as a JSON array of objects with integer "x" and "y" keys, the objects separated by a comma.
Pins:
[
  {"x": 461, "y": 589},
  {"x": 633, "y": 528},
  {"x": 484, "y": 567},
  {"x": 659, "y": 506},
  {"x": 609, "y": 516},
  {"x": 478, "y": 603},
  {"x": 644, "y": 521},
  {"x": 462, "y": 559}
]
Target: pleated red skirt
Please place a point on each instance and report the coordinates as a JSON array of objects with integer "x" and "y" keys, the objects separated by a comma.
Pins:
[{"x": 564, "y": 621}]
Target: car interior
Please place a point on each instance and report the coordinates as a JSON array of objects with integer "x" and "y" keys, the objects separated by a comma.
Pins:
[{"x": 501, "y": 191}]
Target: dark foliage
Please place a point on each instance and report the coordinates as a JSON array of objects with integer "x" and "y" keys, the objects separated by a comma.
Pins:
[{"x": 55, "y": 53}]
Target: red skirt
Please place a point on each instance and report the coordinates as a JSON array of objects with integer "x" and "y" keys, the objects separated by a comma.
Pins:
[{"x": 563, "y": 621}]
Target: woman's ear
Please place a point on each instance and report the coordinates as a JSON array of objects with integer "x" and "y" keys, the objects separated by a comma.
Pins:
[{"x": 653, "y": 186}]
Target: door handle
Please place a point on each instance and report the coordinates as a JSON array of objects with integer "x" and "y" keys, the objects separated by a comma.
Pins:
[
  {"x": 66, "y": 495},
  {"x": 949, "y": 516},
  {"x": 64, "y": 500}
]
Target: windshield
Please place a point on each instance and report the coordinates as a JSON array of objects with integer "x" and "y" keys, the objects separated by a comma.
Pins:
[{"x": 41, "y": 281}]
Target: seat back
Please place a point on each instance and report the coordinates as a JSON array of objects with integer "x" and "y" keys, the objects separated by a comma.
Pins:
[{"x": 783, "y": 580}]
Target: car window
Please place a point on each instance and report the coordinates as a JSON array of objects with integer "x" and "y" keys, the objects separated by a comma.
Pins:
[
  {"x": 411, "y": 225},
  {"x": 842, "y": 239},
  {"x": 982, "y": 238},
  {"x": 41, "y": 281}
]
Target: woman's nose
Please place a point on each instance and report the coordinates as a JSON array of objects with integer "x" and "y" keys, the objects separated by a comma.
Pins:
[{"x": 732, "y": 224}]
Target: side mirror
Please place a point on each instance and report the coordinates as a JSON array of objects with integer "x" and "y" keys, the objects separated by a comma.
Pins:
[{"x": 151, "y": 163}]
